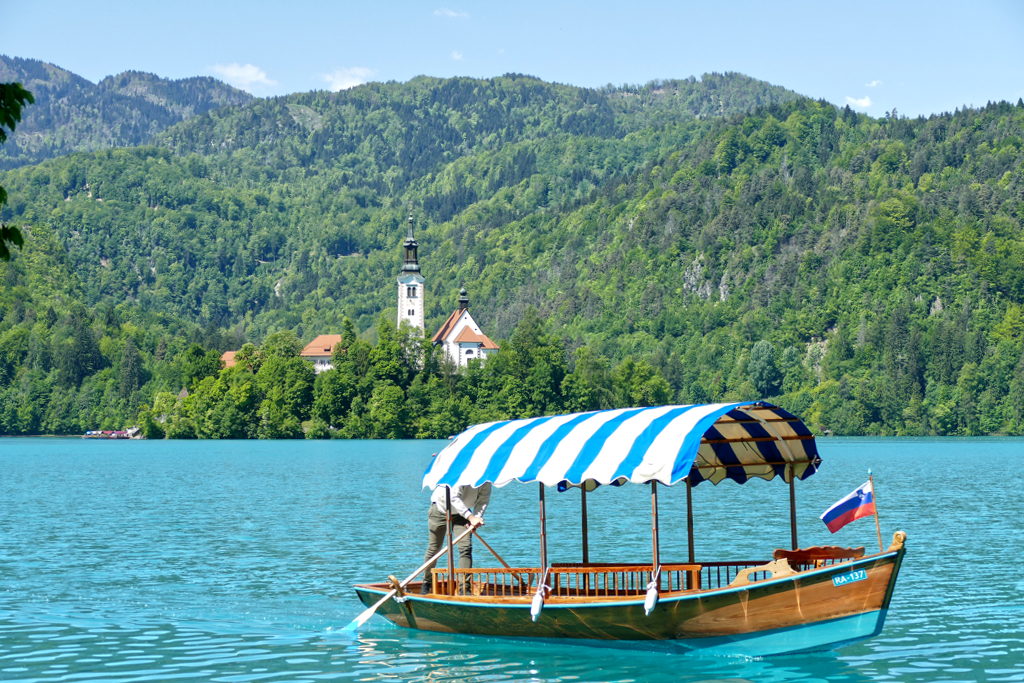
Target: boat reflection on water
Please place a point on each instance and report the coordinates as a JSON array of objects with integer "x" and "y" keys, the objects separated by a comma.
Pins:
[{"x": 390, "y": 654}]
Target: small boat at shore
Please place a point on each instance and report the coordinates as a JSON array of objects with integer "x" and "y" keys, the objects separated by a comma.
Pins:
[
  {"x": 800, "y": 599},
  {"x": 115, "y": 434}
]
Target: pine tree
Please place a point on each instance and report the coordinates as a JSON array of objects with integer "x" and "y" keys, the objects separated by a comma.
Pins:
[
  {"x": 131, "y": 370},
  {"x": 764, "y": 372},
  {"x": 161, "y": 350}
]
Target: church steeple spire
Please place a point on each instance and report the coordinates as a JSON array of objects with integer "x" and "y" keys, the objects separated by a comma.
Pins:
[
  {"x": 411, "y": 246},
  {"x": 410, "y": 283}
]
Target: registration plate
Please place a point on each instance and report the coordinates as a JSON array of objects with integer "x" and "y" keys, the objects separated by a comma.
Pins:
[{"x": 849, "y": 577}]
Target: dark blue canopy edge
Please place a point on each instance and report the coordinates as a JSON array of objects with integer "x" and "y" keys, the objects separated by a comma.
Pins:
[{"x": 742, "y": 447}]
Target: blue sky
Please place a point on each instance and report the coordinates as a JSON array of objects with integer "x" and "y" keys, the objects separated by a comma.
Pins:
[{"x": 920, "y": 57}]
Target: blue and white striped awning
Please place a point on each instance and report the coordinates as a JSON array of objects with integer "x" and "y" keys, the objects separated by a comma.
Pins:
[{"x": 738, "y": 441}]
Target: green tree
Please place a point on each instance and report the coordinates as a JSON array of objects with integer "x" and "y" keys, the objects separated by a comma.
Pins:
[
  {"x": 794, "y": 375},
  {"x": 728, "y": 151},
  {"x": 388, "y": 359},
  {"x": 13, "y": 98},
  {"x": 639, "y": 384},
  {"x": 286, "y": 385},
  {"x": 763, "y": 371},
  {"x": 838, "y": 351},
  {"x": 78, "y": 354},
  {"x": 1016, "y": 397},
  {"x": 590, "y": 385},
  {"x": 196, "y": 363},
  {"x": 333, "y": 392},
  {"x": 131, "y": 370},
  {"x": 283, "y": 344},
  {"x": 387, "y": 412},
  {"x": 151, "y": 428},
  {"x": 249, "y": 357},
  {"x": 348, "y": 335}
]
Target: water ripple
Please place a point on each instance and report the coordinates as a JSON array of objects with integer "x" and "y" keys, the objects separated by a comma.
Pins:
[{"x": 233, "y": 562}]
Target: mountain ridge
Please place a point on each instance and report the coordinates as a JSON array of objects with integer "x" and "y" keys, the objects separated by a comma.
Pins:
[
  {"x": 132, "y": 108},
  {"x": 73, "y": 114}
]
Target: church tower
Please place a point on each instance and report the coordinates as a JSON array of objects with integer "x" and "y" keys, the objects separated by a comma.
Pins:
[{"x": 410, "y": 284}]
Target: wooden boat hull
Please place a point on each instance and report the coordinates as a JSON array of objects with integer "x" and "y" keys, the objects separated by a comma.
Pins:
[{"x": 804, "y": 611}]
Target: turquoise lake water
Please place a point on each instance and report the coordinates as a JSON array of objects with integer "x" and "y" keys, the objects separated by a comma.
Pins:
[{"x": 233, "y": 561}]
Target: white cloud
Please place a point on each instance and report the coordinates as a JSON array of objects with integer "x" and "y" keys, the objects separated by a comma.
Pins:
[
  {"x": 343, "y": 79},
  {"x": 242, "y": 76},
  {"x": 450, "y": 13},
  {"x": 873, "y": 84},
  {"x": 862, "y": 103},
  {"x": 457, "y": 55}
]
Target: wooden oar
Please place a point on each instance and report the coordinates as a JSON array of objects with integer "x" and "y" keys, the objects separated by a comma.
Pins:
[
  {"x": 362, "y": 618},
  {"x": 496, "y": 555}
]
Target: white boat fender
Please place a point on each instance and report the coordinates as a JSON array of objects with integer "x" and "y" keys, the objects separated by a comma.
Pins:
[
  {"x": 538, "y": 598},
  {"x": 536, "y": 606},
  {"x": 651, "y": 601}
]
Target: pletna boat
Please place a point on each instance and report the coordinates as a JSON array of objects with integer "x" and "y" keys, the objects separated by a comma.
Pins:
[{"x": 800, "y": 599}]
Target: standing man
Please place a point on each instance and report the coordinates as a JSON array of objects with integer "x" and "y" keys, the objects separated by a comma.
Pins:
[{"x": 468, "y": 505}]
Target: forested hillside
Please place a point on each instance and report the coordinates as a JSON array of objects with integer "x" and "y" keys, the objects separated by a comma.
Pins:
[
  {"x": 72, "y": 114},
  {"x": 633, "y": 245}
]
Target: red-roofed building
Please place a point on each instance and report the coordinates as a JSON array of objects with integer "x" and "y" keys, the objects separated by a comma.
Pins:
[
  {"x": 319, "y": 351},
  {"x": 460, "y": 336},
  {"x": 228, "y": 357}
]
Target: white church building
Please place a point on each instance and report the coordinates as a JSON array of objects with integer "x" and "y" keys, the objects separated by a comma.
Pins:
[{"x": 460, "y": 336}]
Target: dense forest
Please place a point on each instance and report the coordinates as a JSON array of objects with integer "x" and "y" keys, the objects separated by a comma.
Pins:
[{"x": 684, "y": 241}]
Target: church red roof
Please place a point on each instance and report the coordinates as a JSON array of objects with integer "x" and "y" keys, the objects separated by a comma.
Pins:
[
  {"x": 468, "y": 335},
  {"x": 446, "y": 329}
]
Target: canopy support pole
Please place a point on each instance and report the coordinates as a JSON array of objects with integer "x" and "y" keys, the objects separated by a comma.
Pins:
[
  {"x": 583, "y": 506},
  {"x": 792, "y": 504},
  {"x": 654, "y": 525},
  {"x": 689, "y": 530},
  {"x": 448, "y": 535},
  {"x": 543, "y": 534}
]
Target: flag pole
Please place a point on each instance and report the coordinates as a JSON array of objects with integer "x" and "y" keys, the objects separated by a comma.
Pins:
[{"x": 874, "y": 499}]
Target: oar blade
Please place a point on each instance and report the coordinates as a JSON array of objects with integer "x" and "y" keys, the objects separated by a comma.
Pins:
[
  {"x": 365, "y": 616},
  {"x": 359, "y": 621}
]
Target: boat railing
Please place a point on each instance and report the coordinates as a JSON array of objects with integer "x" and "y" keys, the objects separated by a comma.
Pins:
[
  {"x": 569, "y": 580},
  {"x": 721, "y": 574},
  {"x": 495, "y": 582},
  {"x": 609, "y": 579}
]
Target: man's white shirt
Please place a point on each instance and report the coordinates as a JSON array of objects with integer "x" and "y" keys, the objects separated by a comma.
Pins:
[{"x": 466, "y": 500}]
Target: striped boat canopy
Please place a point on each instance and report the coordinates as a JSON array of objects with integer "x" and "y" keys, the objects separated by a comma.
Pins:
[{"x": 738, "y": 441}]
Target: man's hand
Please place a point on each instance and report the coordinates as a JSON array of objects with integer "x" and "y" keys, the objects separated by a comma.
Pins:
[{"x": 476, "y": 521}]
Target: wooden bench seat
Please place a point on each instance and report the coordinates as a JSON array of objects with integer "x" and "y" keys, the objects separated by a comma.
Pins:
[{"x": 819, "y": 555}]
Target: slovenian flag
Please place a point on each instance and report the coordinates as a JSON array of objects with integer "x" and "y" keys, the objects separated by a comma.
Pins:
[{"x": 860, "y": 503}]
